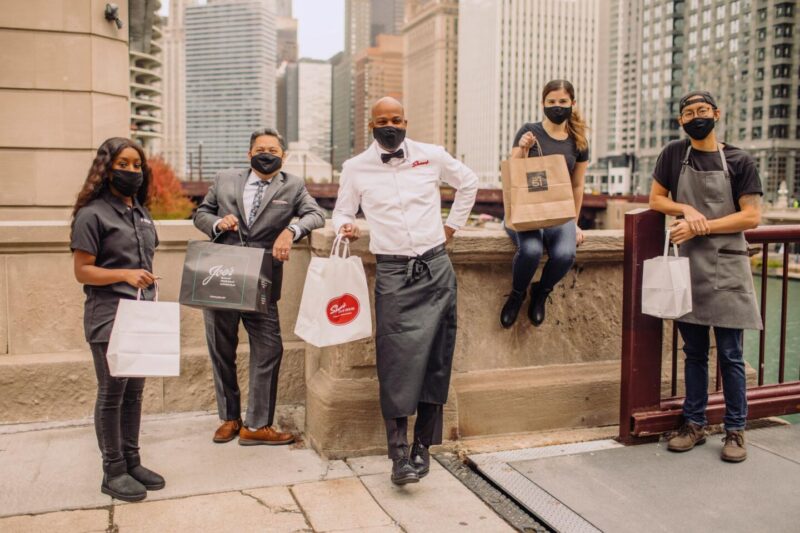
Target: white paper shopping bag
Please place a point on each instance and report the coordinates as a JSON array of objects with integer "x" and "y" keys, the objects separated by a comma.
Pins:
[
  {"x": 335, "y": 306},
  {"x": 667, "y": 285},
  {"x": 146, "y": 339}
]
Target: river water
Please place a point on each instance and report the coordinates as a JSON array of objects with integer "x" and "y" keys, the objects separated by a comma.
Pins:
[{"x": 773, "y": 332}]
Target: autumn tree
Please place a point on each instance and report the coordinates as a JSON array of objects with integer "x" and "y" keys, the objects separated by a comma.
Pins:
[{"x": 167, "y": 199}]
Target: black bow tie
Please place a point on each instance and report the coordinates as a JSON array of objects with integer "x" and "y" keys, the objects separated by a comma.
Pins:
[{"x": 388, "y": 157}]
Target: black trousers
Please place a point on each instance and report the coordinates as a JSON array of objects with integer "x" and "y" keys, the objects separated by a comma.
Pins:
[
  {"x": 117, "y": 415},
  {"x": 427, "y": 429}
]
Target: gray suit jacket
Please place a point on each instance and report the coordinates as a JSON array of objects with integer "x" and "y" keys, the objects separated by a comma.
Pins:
[{"x": 285, "y": 198}]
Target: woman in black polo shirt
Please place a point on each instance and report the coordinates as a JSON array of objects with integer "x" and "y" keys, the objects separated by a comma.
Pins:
[
  {"x": 562, "y": 131},
  {"x": 114, "y": 240}
]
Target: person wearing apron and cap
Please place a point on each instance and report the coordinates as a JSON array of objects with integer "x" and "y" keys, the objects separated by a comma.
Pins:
[
  {"x": 716, "y": 194},
  {"x": 395, "y": 181}
]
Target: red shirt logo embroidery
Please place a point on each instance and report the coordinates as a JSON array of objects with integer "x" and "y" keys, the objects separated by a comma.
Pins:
[
  {"x": 343, "y": 309},
  {"x": 418, "y": 163}
]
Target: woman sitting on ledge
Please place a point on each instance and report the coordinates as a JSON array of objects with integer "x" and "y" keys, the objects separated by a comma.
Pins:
[{"x": 562, "y": 131}]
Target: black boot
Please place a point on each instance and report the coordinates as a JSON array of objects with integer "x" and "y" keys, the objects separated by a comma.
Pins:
[
  {"x": 147, "y": 477},
  {"x": 511, "y": 308},
  {"x": 539, "y": 298},
  {"x": 402, "y": 470},
  {"x": 421, "y": 459},
  {"x": 123, "y": 487}
]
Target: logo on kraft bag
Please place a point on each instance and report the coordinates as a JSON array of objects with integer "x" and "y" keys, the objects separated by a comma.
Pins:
[
  {"x": 343, "y": 309},
  {"x": 224, "y": 274},
  {"x": 537, "y": 181}
]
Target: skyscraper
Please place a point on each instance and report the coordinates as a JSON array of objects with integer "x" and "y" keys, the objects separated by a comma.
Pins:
[
  {"x": 386, "y": 18},
  {"x": 308, "y": 105},
  {"x": 145, "y": 73},
  {"x": 507, "y": 52},
  {"x": 230, "y": 80},
  {"x": 173, "y": 144},
  {"x": 744, "y": 52},
  {"x": 430, "y": 71},
  {"x": 342, "y": 109},
  {"x": 378, "y": 73}
]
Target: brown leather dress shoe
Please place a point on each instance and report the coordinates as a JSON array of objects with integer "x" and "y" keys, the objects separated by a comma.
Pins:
[
  {"x": 228, "y": 431},
  {"x": 266, "y": 435}
]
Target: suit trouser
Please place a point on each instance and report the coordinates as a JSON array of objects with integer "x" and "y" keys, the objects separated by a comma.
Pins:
[
  {"x": 427, "y": 429},
  {"x": 266, "y": 351}
]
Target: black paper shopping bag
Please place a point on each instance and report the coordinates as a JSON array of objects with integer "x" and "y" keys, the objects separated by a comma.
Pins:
[{"x": 221, "y": 276}]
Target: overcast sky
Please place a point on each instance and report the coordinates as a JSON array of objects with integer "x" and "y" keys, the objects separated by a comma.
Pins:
[{"x": 320, "y": 26}]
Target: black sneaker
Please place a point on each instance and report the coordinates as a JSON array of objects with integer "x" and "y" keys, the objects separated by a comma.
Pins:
[
  {"x": 147, "y": 477},
  {"x": 420, "y": 459},
  {"x": 539, "y": 297},
  {"x": 123, "y": 487},
  {"x": 403, "y": 472},
  {"x": 511, "y": 309}
]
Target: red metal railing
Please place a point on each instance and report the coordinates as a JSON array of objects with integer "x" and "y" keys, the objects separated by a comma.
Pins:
[{"x": 644, "y": 414}]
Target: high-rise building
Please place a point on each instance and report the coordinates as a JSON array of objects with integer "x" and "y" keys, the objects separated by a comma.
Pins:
[
  {"x": 173, "y": 145},
  {"x": 386, "y": 18},
  {"x": 230, "y": 80},
  {"x": 430, "y": 71},
  {"x": 744, "y": 52},
  {"x": 378, "y": 73},
  {"x": 308, "y": 105},
  {"x": 507, "y": 52},
  {"x": 357, "y": 20},
  {"x": 341, "y": 109},
  {"x": 145, "y": 73},
  {"x": 287, "y": 39}
]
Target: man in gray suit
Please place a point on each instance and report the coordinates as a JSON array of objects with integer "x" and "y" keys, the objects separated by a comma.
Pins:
[{"x": 260, "y": 203}]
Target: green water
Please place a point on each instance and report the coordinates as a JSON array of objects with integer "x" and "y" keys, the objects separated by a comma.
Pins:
[{"x": 773, "y": 332}]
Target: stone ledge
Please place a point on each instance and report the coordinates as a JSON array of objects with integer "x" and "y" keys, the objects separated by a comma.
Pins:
[
  {"x": 62, "y": 386},
  {"x": 480, "y": 246}
]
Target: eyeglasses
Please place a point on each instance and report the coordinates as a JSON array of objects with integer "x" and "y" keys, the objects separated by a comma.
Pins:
[{"x": 703, "y": 112}]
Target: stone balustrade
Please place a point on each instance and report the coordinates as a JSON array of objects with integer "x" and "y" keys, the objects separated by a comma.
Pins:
[{"x": 562, "y": 374}]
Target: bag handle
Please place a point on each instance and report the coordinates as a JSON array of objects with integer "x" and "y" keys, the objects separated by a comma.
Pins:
[
  {"x": 139, "y": 293},
  {"x": 666, "y": 245},
  {"x": 238, "y": 229},
  {"x": 538, "y": 148},
  {"x": 341, "y": 247}
]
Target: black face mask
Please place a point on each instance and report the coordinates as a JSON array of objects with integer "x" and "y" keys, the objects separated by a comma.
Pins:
[
  {"x": 558, "y": 114},
  {"x": 389, "y": 137},
  {"x": 699, "y": 128},
  {"x": 125, "y": 182},
  {"x": 266, "y": 163}
]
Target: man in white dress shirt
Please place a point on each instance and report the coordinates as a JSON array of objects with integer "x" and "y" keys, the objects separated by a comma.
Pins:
[{"x": 396, "y": 183}]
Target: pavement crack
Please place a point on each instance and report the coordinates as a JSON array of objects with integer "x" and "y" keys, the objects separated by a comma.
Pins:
[
  {"x": 303, "y": 511},
  {"x": 112, "y": 527},
  {"x": 272, "y": 508}
]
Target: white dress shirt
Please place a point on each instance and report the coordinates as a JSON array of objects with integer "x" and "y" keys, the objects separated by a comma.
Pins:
[{"x": 401, "y": 199}]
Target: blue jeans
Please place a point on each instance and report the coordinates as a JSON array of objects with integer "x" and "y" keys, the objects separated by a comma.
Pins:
[
  {"x": 560, "y": 243},
  {"x": 731, "y": 362}
]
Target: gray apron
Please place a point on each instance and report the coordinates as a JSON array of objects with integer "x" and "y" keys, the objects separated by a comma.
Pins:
[
  {"x": 723, "y": 293},
  {"x": 415, "y": 311}
]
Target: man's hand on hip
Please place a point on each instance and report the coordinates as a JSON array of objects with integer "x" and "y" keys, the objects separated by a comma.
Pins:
[
  {"x": 448, "y": 233},
  {"x": 283, "y": 245}
]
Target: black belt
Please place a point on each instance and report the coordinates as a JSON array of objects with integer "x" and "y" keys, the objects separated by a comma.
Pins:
[{"x": 416, "y": 266}]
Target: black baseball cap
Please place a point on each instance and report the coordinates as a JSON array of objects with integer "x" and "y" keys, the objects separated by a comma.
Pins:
[{"x": 696, "y": 97}]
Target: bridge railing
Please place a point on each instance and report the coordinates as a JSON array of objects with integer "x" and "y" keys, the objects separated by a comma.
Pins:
[{"x": 644, "y": 412}]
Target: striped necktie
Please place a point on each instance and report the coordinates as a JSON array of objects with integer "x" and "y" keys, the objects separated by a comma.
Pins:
[{"x": 257, "y": 201}]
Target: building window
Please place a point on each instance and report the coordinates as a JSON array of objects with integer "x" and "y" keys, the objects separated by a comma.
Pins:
[
  {"x": 783, "y": 30},
  {"x": 758, "y": 94},
  {"x": 759, "y": 74},
  {"x": 778, "y": 132},
  {"x": 780, "y": 91},
  {"x": 782, "y": 50},
  {"x": 762, "y": 14},
  {"x": 760, "y": 54},
  {"x": 778, "y": 111},
  {"x": 762, "y": 35},
  {"x": 784, "y": 10},
  {"x": 757, "y": 132},
  {"x": 758, "y": 112},
  {"x": 742, "y": 133},
  {"x": 781, "y": 71}
]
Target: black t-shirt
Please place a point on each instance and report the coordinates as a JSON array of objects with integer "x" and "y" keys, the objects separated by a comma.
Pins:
[
  {"x": 119, "y": 237},
  {"x": 551, "y": 146},
  {"x": 741, "y": 167}
]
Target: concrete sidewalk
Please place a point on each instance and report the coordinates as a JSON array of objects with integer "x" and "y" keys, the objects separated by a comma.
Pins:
[
  {"x": 603, "y": 486},
  {"x": 51, "y": 482}
]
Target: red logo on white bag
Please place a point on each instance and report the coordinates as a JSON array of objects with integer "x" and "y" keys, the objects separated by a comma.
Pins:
[{"x": 343, "y": 309}]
